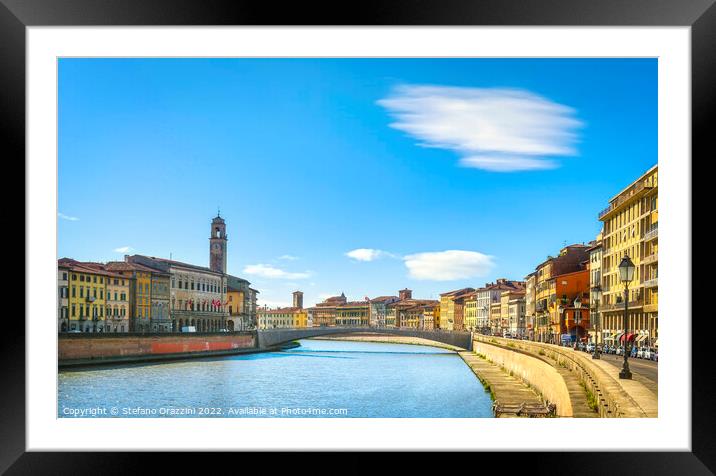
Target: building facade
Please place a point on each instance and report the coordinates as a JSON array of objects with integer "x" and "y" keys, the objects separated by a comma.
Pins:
[
  {"x": 631, "y": 229},
  {"x": 241, "y": 304},
  {"x": 597, "y": 333},
  {"x": 324, "y": 313},
  {"x": 197, "y": 294},
  {"x": 451, "y": 309},
  {"x": 282, "y": 318},
  {"x": 488, "y": 295},
  {"x": 530, "y": 305},
  {"x": 547, "y": 310},
  {"x": 87, "y": 287},
  {"x": 118, "y": 309},
  {"x": 378, "y": 310},
  {"x": 63, "y": 313},
  {"x": 353, "y": 314}
]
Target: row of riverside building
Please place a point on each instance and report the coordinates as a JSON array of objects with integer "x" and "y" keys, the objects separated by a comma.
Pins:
[
  {"x": 575, "y": 295},
  {"x": 149, "y": 294}
]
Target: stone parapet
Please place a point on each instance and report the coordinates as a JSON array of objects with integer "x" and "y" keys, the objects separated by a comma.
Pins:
[
  {"x": 613, "y": 400},
  {"x": 532, "y": 370}
]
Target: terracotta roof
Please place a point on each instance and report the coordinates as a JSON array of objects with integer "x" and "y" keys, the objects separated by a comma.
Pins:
[
  {"x": 457, "y": 291},
  {"x": 280, "y": 310},
  {"x": 383, "y": 298},
  {"x": 125, "y": 266},
  {"x": 179, "y": 264},
  {"x": 353, "y": 304},
  {"x": 89, "y": 267}
]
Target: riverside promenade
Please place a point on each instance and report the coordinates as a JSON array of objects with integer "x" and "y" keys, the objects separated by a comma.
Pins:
[{"x": 590, "y": 387}]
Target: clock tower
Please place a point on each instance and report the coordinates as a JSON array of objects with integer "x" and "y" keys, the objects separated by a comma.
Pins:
[{"x": 217, "y": 245}]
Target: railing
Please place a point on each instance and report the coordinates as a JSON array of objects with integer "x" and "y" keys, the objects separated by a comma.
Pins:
[
  {"x": 651, "y": 283},
  {"x": 620, "y": 305},
  {"x": 651, "y": 233},
  {"x": 624, "y": 196},
  {"x": 651, "y": 259}
]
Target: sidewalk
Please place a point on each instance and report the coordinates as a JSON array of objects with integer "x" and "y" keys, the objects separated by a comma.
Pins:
[
  {"x": 644, "y": 398},
  {"x": 506, "y": 390}
]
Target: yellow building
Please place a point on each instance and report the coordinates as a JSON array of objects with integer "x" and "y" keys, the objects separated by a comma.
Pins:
[
  {"x": 496, "y": 318},
  {"x": 631, "y": 229},
  {"x": 87, "y": 287},
  {"x": 282, "y": 318},
  {"x": 353, "y": 314},
  {"x": 470, "y": 311},
  {"x": 436, "y": 316},
  {"x": 117, "y": 308},
  {"x": 447, "y": 309}
]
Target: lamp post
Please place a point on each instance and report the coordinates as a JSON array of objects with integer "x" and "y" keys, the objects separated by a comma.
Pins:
[
  {"x": 577, "y": 307},
  {"x": 597, "y": 291},
  {"x": 626, "y": 275}
]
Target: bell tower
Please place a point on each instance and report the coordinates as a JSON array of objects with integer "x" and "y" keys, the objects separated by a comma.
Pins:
[{"x": 217, "y": 245}]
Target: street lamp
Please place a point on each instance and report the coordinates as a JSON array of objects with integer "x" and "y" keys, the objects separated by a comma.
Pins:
[
  {"x": 597, "y": 291},
  {"x": 577, "y": 307},
  {"x": 626, "y": 275}
]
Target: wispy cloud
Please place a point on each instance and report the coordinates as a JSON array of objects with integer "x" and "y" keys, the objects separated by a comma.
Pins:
[
  {"x": 448, "y": 265},
  {"x": 288, "y": 257},
  {"x": 368, "y": 254},
  {"x": 272, "y": 272},
  {"x": 67, "y": 217},
  {"x": 123, "y": 249},
  {"x": 500, "y": 130}
]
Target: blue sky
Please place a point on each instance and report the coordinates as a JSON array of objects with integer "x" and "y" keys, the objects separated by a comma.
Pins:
[{"x": 361, "y": 176}]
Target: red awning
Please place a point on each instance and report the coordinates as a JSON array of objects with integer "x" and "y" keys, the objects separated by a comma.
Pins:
[{"x": 630, "y": 337}]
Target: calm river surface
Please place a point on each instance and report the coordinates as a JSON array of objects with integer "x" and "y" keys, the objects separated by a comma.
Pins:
[{"x": 319, "y": 379}]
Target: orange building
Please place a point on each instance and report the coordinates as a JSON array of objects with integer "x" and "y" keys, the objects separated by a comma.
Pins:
[{"x": 573, "y": 320}]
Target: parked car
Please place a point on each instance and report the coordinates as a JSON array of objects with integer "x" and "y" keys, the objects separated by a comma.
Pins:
[
  {"x": 646, "y": 353},
  {"x": 590, "y": 347},
  {"x": 620, "y": 350},
  {"x": 655, "y": 355},
  {"x": 633, "y": 352}
]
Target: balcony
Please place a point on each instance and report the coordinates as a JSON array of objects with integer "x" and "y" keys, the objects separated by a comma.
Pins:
[
  {"x": 620, "y": 306},
  {"x": 628, "y": 194},
  {"x": 652, "y": 233},
  {"x": 653, "y": 258},
  {"x": 651, "y": 307},
  {"x": 651, "y": 283}
]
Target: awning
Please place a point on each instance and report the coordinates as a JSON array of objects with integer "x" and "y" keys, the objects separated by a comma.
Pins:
[
  {"x": 630, "y": 337},
  {"x": 656, "y": 343},
  {"x": 641, "y": 338}
]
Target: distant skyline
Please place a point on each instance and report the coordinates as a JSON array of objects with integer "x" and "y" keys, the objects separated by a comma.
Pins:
[{"x": 361, "y": 176}]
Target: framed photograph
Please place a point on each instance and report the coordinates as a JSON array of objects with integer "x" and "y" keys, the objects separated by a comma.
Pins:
[{"x": 411, "y": 228}]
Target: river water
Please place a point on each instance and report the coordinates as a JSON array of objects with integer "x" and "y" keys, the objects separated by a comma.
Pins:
[{"x": 320, "y": 378}]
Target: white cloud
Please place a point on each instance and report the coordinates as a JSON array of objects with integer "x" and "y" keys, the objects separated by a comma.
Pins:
[
  {"x": 123, "y": 249},
  {"x": 270, "y": 271},
  {"x": 501, "y": 130},
  {"x": 448, "y": 265},
  {"x": 67, "y": 217},
  {"x": 368, "y": 254},
  {"x": 288, "y": 257}
]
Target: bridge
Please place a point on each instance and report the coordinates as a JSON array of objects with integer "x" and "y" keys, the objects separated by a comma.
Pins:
[{"x": 268, "y": 338}]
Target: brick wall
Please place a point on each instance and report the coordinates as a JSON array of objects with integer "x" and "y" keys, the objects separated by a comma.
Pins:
[{"x": 107, "y": 346}]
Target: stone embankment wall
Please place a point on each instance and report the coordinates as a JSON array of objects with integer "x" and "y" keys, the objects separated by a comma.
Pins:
[
  {"x": 539, "y": 374},
  {"x": 613, "y": 401},
  {"x": 82, "y": 349}
]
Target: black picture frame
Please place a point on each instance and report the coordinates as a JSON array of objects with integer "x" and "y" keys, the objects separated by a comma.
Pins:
[{"x": 700, "y": 15}]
